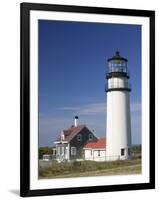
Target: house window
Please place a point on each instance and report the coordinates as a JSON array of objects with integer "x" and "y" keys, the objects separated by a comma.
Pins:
[
  {"x": 63, "y": 150},
  {"x": 122, "y": 152},
  {"x": 62, "y": 136},
  {"x": 98, "y": 152},
  {"x": 66, "y": 150},
  {"x": 79, "y": 137},
  {"x": 73, "y": 150},
  {"x": 90, "y": 137},
  {"x": 58, "y": 150}
]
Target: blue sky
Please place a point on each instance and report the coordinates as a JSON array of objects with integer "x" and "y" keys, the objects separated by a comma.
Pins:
[{"x": 72, "y": 66}]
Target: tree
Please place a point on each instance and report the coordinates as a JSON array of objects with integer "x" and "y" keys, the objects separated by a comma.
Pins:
[{"x": 44, "y": 150}]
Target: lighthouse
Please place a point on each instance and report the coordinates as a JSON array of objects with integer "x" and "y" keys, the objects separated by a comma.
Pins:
[{"x": 118, "y": 129}]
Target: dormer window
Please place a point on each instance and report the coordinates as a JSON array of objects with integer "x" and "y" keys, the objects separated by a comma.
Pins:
[
  {"x": 62, "y": 135},
  {"x": 79, "y": 137},
  {"x": 90, "y": 137}
]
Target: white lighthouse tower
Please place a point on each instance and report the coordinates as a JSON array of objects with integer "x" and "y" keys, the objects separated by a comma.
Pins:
[{"x": 118, "y": 109}]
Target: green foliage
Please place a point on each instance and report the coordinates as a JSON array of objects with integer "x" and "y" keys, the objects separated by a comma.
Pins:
[
  {"x": 136, "y": 148},
  {"x": 136, "y": 151},
  {"x": 44, "y": 150}
]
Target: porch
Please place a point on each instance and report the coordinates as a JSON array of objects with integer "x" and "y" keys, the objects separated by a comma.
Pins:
[{"x": 62, "y": 152}]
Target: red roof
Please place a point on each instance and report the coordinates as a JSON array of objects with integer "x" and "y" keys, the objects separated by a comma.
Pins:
[
  {"x": 100, "y": 143},
  {"x": 71, "y": 132}
]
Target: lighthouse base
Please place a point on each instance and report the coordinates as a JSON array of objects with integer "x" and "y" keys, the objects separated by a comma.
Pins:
[
  {"x": 112, "y": 158},
  {"x": 115, "y": 158},
  {"x": 125, "y": 155}
]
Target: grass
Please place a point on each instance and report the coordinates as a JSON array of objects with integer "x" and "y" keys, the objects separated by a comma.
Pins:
[{"x": 91, "y": 168}]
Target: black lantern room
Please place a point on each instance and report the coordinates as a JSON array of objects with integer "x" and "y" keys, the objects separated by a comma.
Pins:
[{"x": 117, "y": 66}]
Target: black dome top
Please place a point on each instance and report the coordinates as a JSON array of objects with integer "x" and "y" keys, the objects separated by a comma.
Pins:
[{"x": 117, "y": 57}]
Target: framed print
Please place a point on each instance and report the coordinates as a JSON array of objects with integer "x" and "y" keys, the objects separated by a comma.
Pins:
[{"x": 87, "y": 99}]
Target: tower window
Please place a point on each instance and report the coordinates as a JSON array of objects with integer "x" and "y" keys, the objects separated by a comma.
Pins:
[
  {"x": 122, "y": 152},
  {"x": 98, "y": 152}
]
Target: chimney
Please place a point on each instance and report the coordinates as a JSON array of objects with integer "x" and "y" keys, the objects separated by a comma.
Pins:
[{"x": 76, "y": 121}]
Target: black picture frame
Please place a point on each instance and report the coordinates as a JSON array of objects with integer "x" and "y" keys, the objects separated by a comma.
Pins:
[{"x": 25, "y": 9}]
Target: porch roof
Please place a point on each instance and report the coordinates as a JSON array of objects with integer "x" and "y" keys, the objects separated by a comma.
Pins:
[{"x": 100, "y": 143}]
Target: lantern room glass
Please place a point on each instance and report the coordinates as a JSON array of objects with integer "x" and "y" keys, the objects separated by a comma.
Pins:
[{"x": 117, "y": 66}]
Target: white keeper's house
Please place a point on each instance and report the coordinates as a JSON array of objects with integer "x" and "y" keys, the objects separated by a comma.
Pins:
[{"x": 95, "y": 150}]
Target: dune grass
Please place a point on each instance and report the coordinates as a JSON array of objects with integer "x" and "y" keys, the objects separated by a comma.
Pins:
[{"x": 91, "y": 168}]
